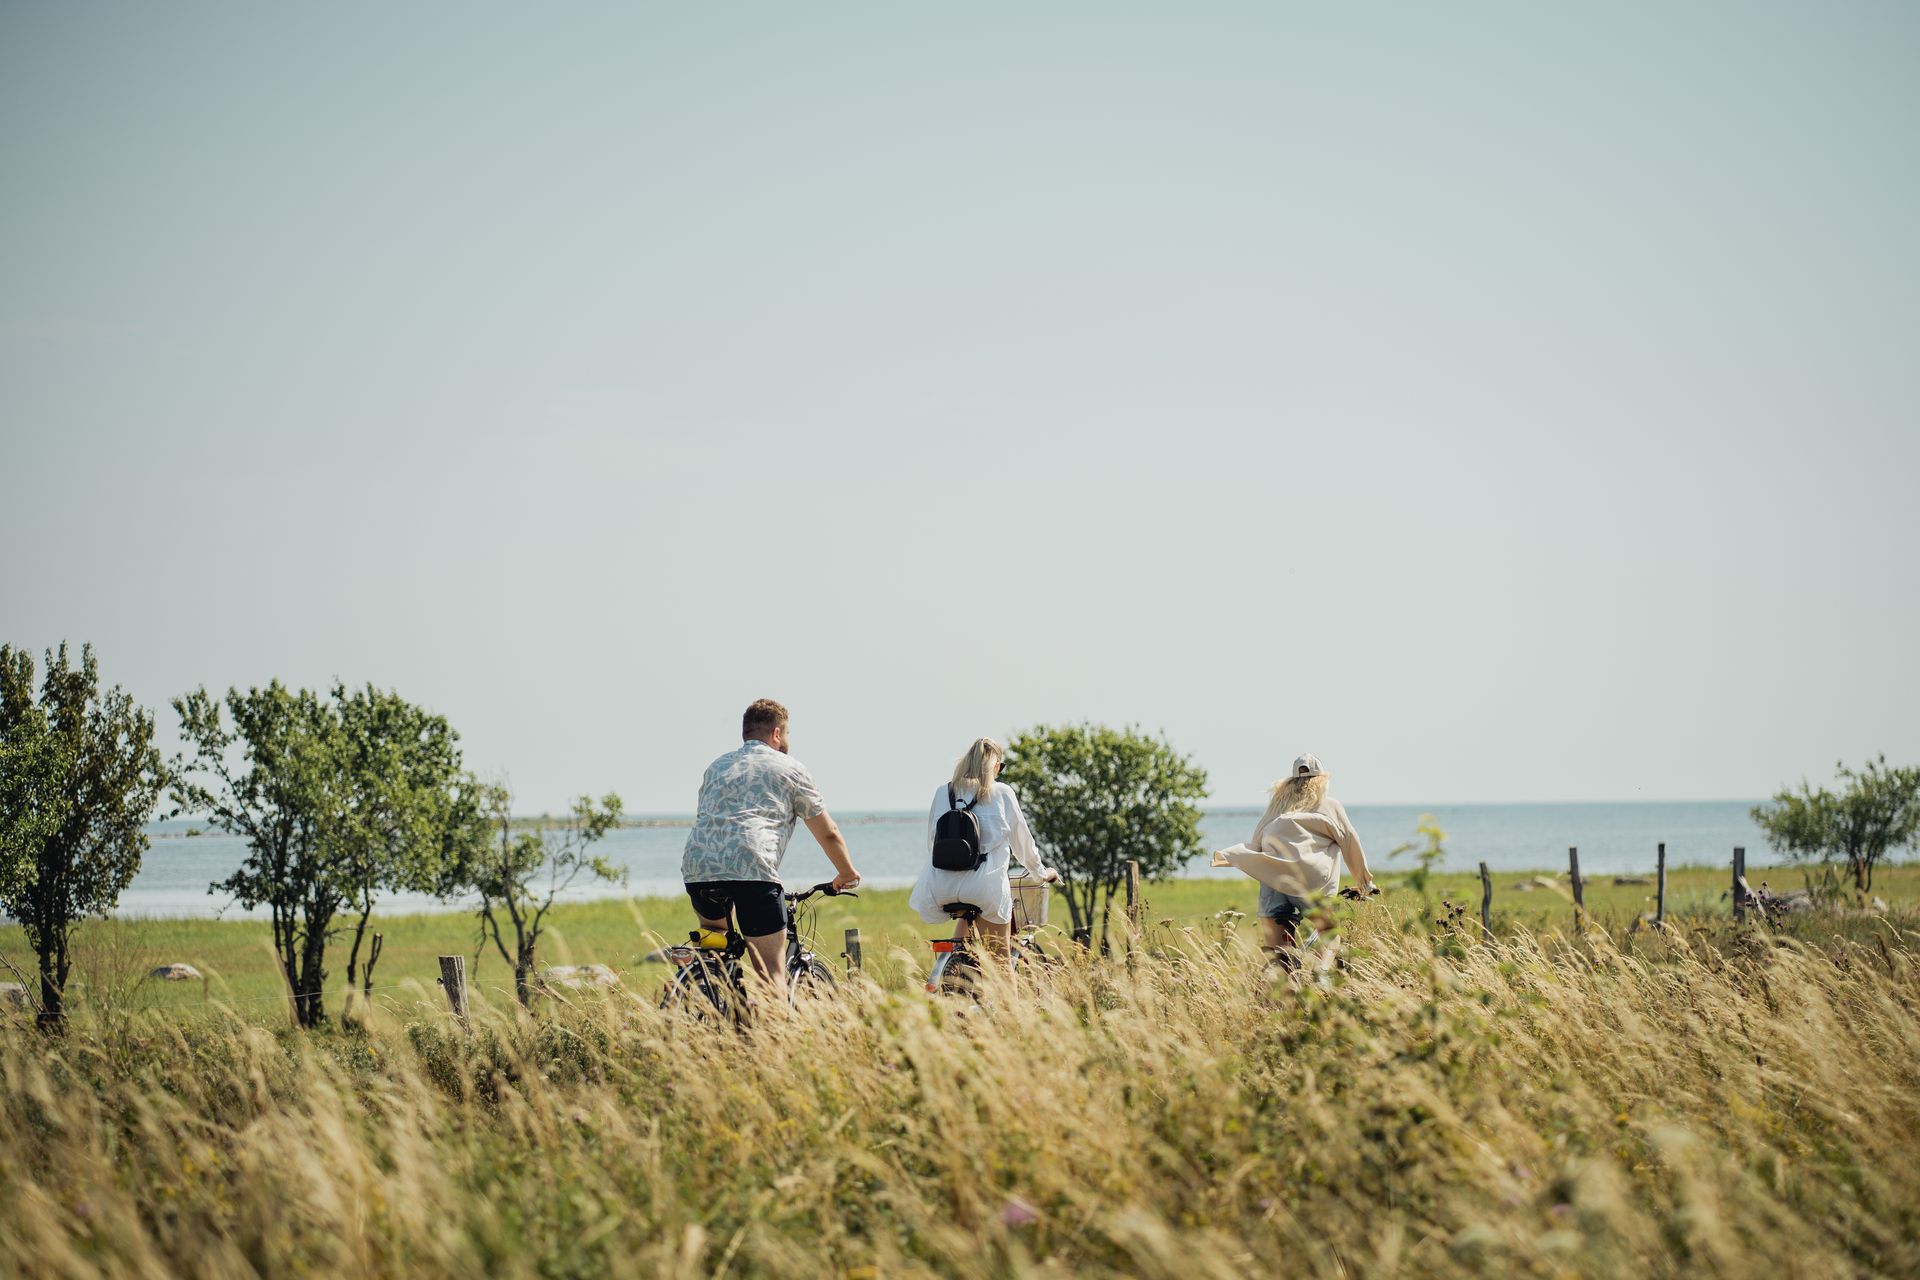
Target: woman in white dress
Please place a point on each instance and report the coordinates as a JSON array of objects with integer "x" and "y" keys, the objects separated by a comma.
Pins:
[{"x": 1003, "y": 836}]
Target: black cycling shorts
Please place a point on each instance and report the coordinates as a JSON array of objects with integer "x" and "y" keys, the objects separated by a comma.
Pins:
[{"x": 755, "y": 904}]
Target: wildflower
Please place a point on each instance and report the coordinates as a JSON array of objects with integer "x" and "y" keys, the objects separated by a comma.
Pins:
[{"x": 1018, "y": 1213}]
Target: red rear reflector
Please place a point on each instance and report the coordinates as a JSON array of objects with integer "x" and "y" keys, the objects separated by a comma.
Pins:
[{"x": 943, "y": 945}]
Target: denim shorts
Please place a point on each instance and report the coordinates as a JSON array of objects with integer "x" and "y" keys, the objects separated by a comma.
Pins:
[{"x": 1284, "y": 907}]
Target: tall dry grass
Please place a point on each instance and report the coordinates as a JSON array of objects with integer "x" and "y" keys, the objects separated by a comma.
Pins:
[{"x": 1675, "y": 1104}]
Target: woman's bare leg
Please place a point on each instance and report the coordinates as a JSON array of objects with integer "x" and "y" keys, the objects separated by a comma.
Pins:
[
  {"x": 1275, "y": 934},
  {"x": 1277, "y": 939},
  {"x": 996, "y": 938}
]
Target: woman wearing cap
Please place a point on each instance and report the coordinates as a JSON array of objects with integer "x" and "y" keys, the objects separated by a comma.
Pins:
[
  {"x": 1004, "y": 835},
  {"x": 1292, "y": 852}
]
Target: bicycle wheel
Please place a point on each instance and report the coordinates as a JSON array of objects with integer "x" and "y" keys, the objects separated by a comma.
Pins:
[
  {"x": 701, "y": 992},
  {"x": 811, "y": 979},
  {"x": 1037, "y": 959},
  {"x": 962, "y": 976}
]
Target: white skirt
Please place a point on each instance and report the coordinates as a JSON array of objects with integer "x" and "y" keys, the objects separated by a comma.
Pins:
[{"x": 985, "y": 887}]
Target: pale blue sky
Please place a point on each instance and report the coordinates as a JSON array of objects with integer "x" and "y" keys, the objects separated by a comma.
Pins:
[{"x": 1506, "y": 402}]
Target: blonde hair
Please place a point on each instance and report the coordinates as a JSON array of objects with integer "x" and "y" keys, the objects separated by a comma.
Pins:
[
  {"x": 973, "y": 772},
  {"x": 1295, "y": 795}
]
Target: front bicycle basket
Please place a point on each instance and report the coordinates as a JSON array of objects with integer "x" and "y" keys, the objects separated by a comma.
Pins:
[{"x": 1030, "y": 898}]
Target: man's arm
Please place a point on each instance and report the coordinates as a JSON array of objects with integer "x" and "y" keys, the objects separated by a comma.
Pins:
[{"x": 834, "y": 845}]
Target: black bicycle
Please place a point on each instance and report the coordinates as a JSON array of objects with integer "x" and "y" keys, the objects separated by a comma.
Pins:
[{"x": 712, "y": 966}]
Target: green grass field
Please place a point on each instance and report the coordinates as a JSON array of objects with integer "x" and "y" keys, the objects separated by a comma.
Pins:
[
  {"x": 237, "y": 956},
  {"x": 1420, "y": 1100}
]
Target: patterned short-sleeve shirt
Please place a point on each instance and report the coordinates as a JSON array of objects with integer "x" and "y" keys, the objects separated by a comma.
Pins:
[{"x": 749, "y": 802}]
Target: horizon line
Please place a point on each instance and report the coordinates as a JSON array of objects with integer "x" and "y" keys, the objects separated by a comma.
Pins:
[{"x": 687, "y": 815}]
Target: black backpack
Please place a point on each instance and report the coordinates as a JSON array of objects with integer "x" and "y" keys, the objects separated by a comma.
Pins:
[{"x": 956, "y": 836}]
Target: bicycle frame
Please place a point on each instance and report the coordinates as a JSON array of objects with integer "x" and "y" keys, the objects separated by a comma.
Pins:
[
  {"x": 948, "y": 952},
  {"x": 709, "y": 967},
  {"x": 799, "y": 938}
]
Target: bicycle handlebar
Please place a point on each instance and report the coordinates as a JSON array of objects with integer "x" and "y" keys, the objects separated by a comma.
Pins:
[{"x": 824, "y": 887}]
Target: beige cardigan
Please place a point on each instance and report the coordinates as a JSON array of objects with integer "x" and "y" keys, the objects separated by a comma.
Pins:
[{"x": 1293, "y": 852}]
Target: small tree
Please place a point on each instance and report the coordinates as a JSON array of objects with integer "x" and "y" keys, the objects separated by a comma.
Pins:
[
  {"x": 503, "y": 872},
  {"x": 1098, "y": 798},
  {"x": 405, "y": 811},
  {"x": 275, "y": 796},
  {"x": 338, "y": 799},
  {"x": 35, "y": 765},
  {"x": 79, "y": 779},
  {"x": 1878, "y": 810}
]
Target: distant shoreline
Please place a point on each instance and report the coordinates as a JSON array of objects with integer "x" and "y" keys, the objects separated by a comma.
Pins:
[
  {"x": 1505, "y": 881},
  {"x": 876, "y": 817}
]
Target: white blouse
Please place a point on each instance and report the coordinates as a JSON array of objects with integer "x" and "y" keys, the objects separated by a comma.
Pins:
[{"x": 1004, "y": 835}]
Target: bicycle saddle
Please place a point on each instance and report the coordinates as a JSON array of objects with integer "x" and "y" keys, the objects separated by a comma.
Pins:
[{"x": 965, "y": 909}]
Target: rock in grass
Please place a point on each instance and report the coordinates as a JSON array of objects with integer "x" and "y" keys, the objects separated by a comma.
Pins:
[
  {"x": 12, "y": 996},
  {"x": 577, "y": 977},
  {"x": 176, "y": 973}
]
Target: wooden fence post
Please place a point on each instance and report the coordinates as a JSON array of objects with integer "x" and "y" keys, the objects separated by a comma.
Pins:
[
  {"x": 1660, "y": 891},
  {"x": 852, "y": 953},
  {"x": 1486, "y": 898},
  {"x": 1573, "y": 874},
  {"x": 1739, "y": 884},
  {"x": 1133, "y": 894},
  {"x": 453, "y": 976}
]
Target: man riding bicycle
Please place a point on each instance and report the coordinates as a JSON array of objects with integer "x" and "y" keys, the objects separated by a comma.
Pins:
[{"x": 750, "y": 800}]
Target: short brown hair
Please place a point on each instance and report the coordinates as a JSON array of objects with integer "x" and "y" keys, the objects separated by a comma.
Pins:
[{"x": 764, "y": 715}]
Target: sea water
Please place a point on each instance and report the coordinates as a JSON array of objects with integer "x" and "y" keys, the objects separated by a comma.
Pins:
[{"x": 889, "y": 848}]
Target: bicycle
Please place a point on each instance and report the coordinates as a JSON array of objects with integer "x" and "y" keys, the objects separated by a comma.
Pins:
[
  {"x": 1308, "y": 944},
  {"x": 711, "y": 982},
  {"x": 956, "y": 966}
]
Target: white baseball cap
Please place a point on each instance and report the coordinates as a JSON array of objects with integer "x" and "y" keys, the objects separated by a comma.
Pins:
[{"x": 1307, "y": 767}]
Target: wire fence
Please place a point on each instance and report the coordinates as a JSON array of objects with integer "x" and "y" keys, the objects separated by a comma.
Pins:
[{"x": 1138, "y": 916}]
